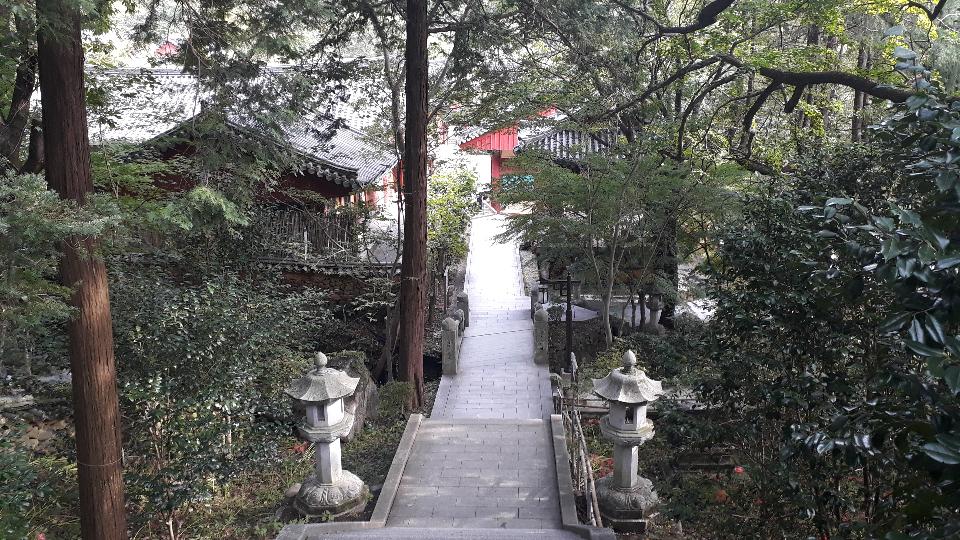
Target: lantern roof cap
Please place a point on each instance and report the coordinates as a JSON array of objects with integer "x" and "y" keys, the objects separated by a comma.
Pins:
[
  {"x": 322, "y": 383},
  {"x": 628, "y": 384}
]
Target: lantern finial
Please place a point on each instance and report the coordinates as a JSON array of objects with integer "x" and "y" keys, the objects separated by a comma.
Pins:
[
  {"x": 320, "y": 360},
  {"x": 629, "y": 361}
]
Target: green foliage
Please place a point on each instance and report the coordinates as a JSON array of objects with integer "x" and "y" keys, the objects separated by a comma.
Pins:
[
  {"x": 372, "y": 302},
  {"x": 613, "y": 218},
  {"x": 671, "y": 357},
  {"x": 394, "y": 397},
  {"x": 202, "y": 369},
  {"x": 31, "y": 487},
  {"x": 17, "y": 478},
  {"x": 450, "y": 203},
  {"x": 371, "y": 452},
  {"x": 911, "y": 249},
  {"x": 830, "y": 352},
  {"x": 201, "y": 206},
  {"x": 33, "y": 223}
]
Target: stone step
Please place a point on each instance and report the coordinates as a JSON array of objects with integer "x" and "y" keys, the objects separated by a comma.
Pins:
[
  {"x": 422, "y": 533},
  {"x": 490, "y": 424}
]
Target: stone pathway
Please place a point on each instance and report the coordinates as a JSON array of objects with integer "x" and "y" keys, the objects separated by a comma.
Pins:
[
  {"x": 497, "y": 377},
  {"x": 484, "y": 459}
]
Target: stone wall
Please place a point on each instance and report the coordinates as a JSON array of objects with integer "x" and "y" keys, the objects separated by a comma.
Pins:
[
  {"x": 364, "y": 402},
  {"x": 341, "y": 287}
]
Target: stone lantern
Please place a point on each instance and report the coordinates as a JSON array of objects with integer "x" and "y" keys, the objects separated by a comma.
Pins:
[
  {"x": 329, "y": 489},
  {"x": 625, "y": 497}
]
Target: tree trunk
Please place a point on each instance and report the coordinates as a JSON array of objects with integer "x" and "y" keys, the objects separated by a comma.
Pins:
[
  {"x": 432, "y": 300},
  {"x": 859, "y": 97},
  {"x": 383, "y": 371},
  {"x": 96, "y": 412},
  {"x": 34, "y": 163},
  {"x": 606, "y": 297},
  {"x": 813, "y": 39},
  {"x": 669, "y": 269},
  {"x": 414, "y": 267},
  {"x": 13, "y": 125}
]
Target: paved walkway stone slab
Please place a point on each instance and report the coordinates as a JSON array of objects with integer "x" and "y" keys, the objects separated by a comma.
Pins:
[{"x": 463, "y": 533}]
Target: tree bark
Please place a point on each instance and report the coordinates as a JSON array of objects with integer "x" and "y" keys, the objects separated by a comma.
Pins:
[
  {"x": 34, "y": 163},
  {"x": 96, "y": 411},
  {"x": 670, "y": 270},
  {"x": 13, "y": 125},
  {"x": 414, "y": 266},
  {"x": 432, "y": 301},
  {"x": 606, "y": 297},
  {"x": 856, "y": 127}
]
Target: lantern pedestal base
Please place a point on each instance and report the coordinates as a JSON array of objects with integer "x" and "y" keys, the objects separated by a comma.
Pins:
[
  {"x": 347, "y": 494},
  {"x": 626, "y": 510}
]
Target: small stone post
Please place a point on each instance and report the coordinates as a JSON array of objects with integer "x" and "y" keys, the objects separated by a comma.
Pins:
[
  {"x": 463, "y": 302},
  {"x": 625, "y": 497},
  {"x": 655, "y": 305},
  {"x": 449, "y": 348},
  {"x": 330, "y": 488},
  {"x": 541, "y": 337},
  {"x": 461, "y": 318},
  {"x": 534, "y": 301}
]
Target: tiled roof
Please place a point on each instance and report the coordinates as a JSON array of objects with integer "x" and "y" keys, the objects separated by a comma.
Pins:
[
  {"x": 154, "y": 102},
  {"x": 147, "y": 103},
  {"x": 570, "y": 144}
]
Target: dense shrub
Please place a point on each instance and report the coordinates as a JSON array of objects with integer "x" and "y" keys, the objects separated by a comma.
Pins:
[
  {"x": 827, "y": 365},
  {"x": 673, "y": 357},
  {"x": 34, "y": 489},
  {"x": 202, "y": 367}
]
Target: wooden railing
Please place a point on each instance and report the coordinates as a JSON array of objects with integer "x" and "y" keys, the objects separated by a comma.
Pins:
[
  {"x": 581, "y": 469},
  {"x": 293, "y": 234}
]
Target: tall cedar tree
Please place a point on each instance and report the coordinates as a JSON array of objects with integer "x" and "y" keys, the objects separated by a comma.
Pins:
[
  {"x": 413, "y": 270},
  {"x": 67, "y": 149}
]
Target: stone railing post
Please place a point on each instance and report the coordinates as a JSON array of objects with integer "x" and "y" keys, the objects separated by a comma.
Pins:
[
  {"x": 461, "y": 318},
  {"x": 450, "y": 346},
  {"x": 541, "y": 337},
  {"x": 463, "y": 302},
  {"x": 534, "y": 300}
]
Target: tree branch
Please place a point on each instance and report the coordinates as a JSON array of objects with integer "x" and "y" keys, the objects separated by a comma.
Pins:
[
  {"x": 746, "y": 138},
  {"x": 689, "y": 68},
  {"x": 808, "y": 78},
  {"x": 694, "y": 103},
  {"x": 794, "y": 100},
  {"x": 932, "y": 13},
  {"x": 706, "y": 17}
]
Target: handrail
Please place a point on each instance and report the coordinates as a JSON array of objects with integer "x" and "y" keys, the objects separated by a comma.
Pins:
[{"x": 579, "y": 458}]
